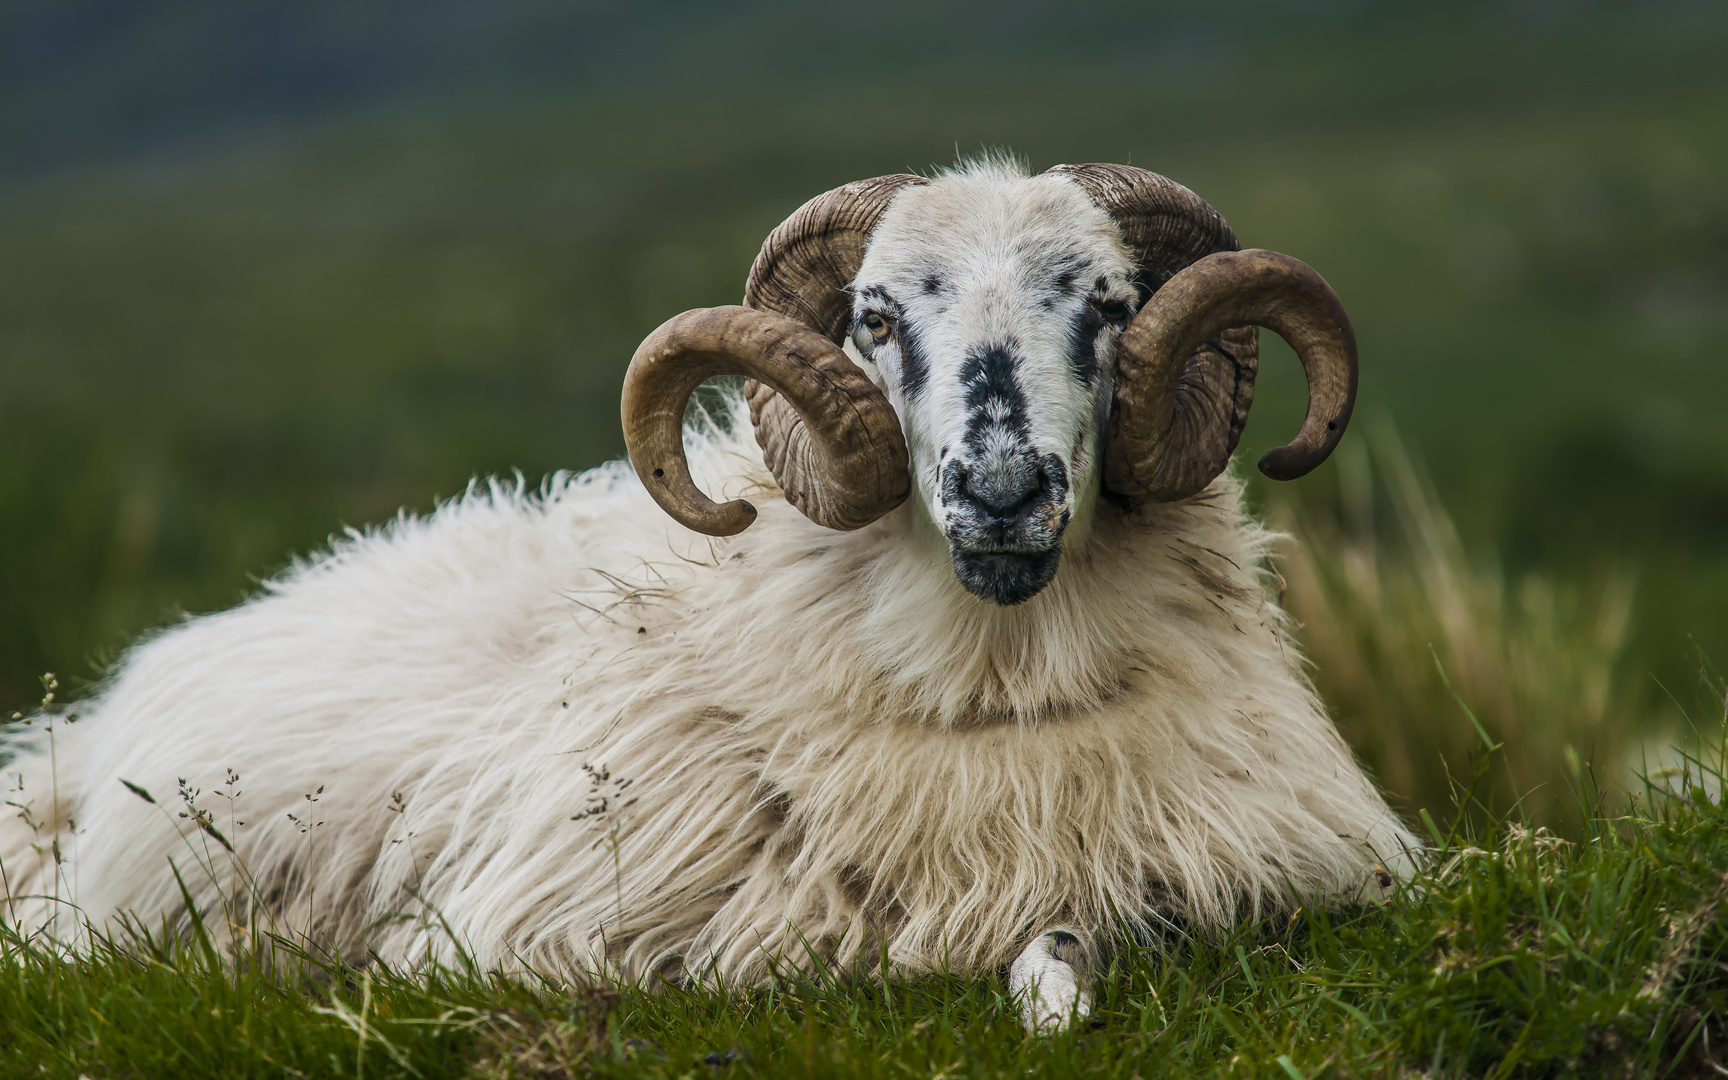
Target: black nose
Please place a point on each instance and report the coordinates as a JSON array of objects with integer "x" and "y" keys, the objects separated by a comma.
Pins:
[
  {"x": 1003, "y": 499},
  {"x": 1002, "y": 488}
]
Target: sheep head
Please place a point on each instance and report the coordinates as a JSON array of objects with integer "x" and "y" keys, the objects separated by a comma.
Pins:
[{"x": 1007, "y": 347}]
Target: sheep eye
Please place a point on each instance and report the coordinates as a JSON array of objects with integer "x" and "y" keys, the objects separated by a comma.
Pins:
[
  {"x": 1114, "y": 311},
  {"x": 878, "y": 327}
]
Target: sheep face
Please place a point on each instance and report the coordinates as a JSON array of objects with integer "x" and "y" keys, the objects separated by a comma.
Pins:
[{"x": 990, "y": 304}]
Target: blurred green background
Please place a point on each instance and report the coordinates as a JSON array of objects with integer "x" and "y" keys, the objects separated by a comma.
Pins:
[{"x": 271, "y": 269}]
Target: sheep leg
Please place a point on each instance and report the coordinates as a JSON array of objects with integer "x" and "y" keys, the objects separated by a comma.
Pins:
[{"x": 1052, "y": 982}]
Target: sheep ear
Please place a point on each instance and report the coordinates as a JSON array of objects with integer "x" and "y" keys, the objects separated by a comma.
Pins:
[{"x": 804, "y": 272}]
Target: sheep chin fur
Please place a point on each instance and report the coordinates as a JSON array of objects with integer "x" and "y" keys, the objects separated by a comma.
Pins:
[{"x": 832, "y": 747}]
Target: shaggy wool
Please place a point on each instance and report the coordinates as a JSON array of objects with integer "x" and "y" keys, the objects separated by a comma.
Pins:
[{"x": 559, "y": 731}]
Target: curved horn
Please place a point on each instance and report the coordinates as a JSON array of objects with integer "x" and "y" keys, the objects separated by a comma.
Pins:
[
  {"x": 1170, "y": 434},
  {"x": 803, "y": 272},
  {"x": 851, "y": 463},
  {"x": 1166, "y": 228},
  {"x": 1164, "y": 225},
  {"x": 808, "y": 262}
]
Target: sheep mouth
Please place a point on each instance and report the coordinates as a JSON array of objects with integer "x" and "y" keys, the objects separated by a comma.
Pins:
[{"x": 1006, "y": 577}]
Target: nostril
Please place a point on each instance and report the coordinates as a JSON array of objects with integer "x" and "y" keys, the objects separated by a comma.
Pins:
[
  {"x": 1009, "y": 507},
  {"x": 1003, "y": 499}
]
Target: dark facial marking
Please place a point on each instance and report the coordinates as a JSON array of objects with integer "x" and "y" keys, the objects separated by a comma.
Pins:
[
  {"x": 1083, "y": 331},
  {"x": 1057, "y": 472},
  {"x": 1065, "y": 270},
  {"x": 914, "y": 368},
  {"x": 932, "y": 284},
  {"x": 993, "y": 396}
]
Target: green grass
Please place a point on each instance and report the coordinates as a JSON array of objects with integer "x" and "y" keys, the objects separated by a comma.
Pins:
[
  {"x": 1399, "y": 617},
  {"x": 1516, "y": 953}
]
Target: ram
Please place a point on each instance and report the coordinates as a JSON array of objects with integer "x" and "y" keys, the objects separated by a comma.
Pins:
[{"x": 974, "y": 667}]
